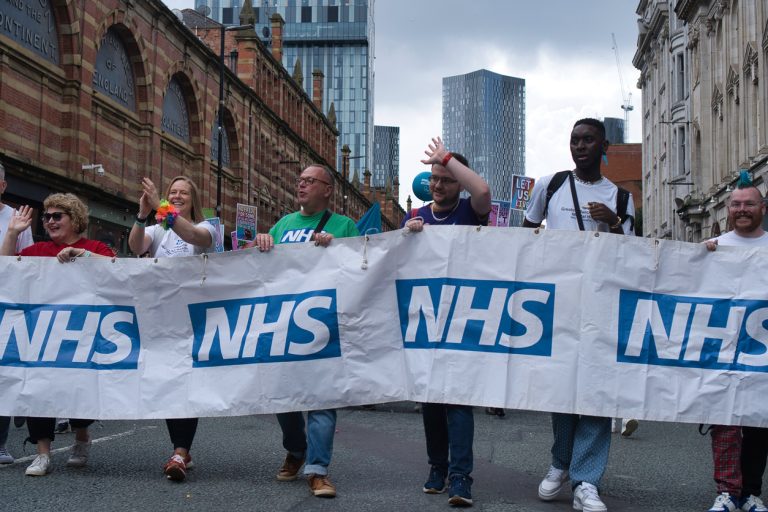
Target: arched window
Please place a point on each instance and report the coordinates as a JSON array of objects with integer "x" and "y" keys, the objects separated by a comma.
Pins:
[
  {"x": 175, "y": 113},
  {"x": 113, "y": 73},
  {"x": 33, "y": 26}
]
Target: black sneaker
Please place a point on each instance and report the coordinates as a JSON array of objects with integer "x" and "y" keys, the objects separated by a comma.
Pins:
[
  {"x": 460, "y": 491},
  {"x": 436, "y": 481}
]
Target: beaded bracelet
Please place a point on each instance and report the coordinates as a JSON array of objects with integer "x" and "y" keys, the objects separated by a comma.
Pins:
[{"x": 166, "y": 214}]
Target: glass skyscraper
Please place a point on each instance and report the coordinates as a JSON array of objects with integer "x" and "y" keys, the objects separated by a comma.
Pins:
[
  {"x": 386, "y": 155},
  {"x": 484, "y": 119},
  {"x": 336, "y": 37},
  {"x": 226, "y": 12}
]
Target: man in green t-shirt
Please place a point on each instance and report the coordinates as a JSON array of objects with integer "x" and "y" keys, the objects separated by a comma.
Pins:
[{"x": 315, "y": 189}]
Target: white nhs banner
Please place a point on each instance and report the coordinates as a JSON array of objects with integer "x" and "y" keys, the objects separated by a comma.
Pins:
[{"x": 576, "y": 322}]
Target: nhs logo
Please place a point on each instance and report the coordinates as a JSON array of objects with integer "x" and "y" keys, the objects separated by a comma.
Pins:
[
  {"x": 69, "y": 336},
  {"x": 487, "y": 316},
  {"x": 266, "y": 329},
  {"x": 671, "y": 330}
]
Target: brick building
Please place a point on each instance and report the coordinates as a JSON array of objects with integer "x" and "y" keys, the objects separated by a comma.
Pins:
[
  {"x": 95, "y": 95},
  {"x": 625, "y": 169}
]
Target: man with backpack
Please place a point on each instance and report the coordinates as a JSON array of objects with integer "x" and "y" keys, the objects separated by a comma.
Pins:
[{"x": 581, "y": 199}]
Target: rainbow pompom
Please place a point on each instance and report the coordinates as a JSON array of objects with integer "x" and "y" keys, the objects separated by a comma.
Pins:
[{"x": 166, "y": 214}]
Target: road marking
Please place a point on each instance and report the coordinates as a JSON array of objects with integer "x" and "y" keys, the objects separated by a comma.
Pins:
[{"x": 104, "y": 439}]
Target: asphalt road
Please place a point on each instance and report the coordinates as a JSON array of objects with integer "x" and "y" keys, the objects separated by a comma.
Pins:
[{"x": 379, "y": 465}]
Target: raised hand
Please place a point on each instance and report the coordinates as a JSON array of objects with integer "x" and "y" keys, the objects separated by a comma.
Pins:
[
  {"x": 149, "y": 200},
  {"x": 435, "y": 152},
  {"x": 20, "y": 220}
]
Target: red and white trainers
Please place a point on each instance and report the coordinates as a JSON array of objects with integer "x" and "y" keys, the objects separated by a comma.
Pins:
[{"x": 176, "y": 467}]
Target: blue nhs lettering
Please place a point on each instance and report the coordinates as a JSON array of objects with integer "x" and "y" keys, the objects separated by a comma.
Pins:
[
  {"x": 488, "y": 316},
  {"x": 69, "y": 336},
  {"x": 266, "y": 329},
  {"x": 696, "y": 332}
]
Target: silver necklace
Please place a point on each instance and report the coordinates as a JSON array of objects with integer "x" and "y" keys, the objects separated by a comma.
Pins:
[
  {"x": 585, "y": 182},
  {"x": 439, "y": 219}
]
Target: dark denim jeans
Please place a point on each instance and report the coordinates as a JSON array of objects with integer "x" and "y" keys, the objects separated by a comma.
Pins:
[{"x": 450, "y": 430}]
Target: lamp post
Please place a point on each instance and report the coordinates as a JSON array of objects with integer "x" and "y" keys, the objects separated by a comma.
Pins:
[
  {"x": 220, "y": 122},
  {"x": 344, "y": 172},
  {"x": 345, "y": 158}
]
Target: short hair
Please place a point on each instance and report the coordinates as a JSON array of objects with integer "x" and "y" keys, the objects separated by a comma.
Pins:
[
  {"x": 595, "y": 123},
  {"x": 72, "y": 206},
  {"x": 197, "y": 206},
  {"x": 326, "y": 169}
]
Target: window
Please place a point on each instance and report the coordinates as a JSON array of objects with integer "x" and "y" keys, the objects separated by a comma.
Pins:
[
  {"x": 306, "y": 14},
  {"x": 680, "y": 78},
  {"x": 333, "y": 14},
  {"x": 227, "y": 15}
]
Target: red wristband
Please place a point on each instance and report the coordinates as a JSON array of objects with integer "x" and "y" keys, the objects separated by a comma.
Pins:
[{"x": 446, "y": 159}]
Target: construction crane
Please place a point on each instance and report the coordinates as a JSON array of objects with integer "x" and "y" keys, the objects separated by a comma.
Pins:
[{"x": 626, "y": 97}]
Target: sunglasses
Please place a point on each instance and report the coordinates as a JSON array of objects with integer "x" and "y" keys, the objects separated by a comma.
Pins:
[{"x": 55, "y": 216}]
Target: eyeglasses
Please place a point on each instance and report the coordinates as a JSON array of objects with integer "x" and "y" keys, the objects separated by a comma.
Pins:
[
  {"x": 442, "y": 179},
  {"x": 55, "y": 216},
  {"x": 309, "y": 181},
  {"x": 747, "y": 204}
]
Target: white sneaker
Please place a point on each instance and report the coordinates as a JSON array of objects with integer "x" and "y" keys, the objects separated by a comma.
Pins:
[
  {"x": 5, "y": 457},
  {"x": 628, "y": 427},
  {"x": 753, "y": 504},
  {"x": 724, "y": 503},
  {"x": 41, "y": 466},
  {"x": 79, "y": 456},
  {"x": 585, "y": 498},
  {"x": 552, "y": 483}
]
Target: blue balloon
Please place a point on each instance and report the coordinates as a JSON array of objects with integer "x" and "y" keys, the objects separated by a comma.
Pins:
[{"x": 421, "y": 186}]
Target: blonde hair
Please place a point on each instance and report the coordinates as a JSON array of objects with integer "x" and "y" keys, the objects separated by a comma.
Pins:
[
  {"x": 73, "y": 207},
  {"x": 197, "y": 206}
]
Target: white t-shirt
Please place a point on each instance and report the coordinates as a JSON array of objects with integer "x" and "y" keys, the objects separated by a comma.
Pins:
[
  {"x": 733, "y": 238},
  {"x": 167, "y": 244},
  {"x": 25, "y": 237},
  {"x": 560, "y": 213}
]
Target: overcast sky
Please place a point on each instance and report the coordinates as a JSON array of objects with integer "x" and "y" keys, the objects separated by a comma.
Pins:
[{"x": 562, "y": 48}]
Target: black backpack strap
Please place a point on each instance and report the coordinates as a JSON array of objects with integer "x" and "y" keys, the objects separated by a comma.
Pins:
[
  {"x": 321, "y": 224},
  {"x": 576, "y": 207},
  {"x": 555, "y": 183},
  {"x": 622, "y": 202}
]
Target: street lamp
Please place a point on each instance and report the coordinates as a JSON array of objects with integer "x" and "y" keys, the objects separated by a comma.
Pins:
[{"x": 345, "y": 158}]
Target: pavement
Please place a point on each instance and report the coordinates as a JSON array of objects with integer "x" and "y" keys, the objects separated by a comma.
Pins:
[{"x": 379, "y": 464}]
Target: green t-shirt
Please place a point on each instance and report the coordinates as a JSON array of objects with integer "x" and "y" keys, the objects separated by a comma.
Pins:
[{"x": 296, "y": 228}]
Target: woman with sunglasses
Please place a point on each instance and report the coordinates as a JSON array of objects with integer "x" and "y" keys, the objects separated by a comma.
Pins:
[
  {"x": 181, "y": 231},
  {"x": 65, "y": 220}
]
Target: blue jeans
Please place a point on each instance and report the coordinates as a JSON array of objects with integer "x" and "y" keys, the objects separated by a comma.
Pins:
[
  {"x": 316, "y": 444},
  {"x": 581, "y": 446},
  {"x": 449, "y": 429},
  {"x": 5, "y": 424}
]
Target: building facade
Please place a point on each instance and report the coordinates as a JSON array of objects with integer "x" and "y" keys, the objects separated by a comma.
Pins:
[
  {"x": 716, "y": 56},
  {"x": 484, "y": 119},
  {"x": 386, "y": 155},
  {"x": 134, "y": 92},
  {"x": 335, "y": 37},
  {"x": 614, "y": 130},
  {"x": 663, "y": 59},
  {"x": 221, "y": 11}
]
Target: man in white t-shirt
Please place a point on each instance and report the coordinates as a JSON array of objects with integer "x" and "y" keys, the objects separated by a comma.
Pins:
[
  {"x": 24, "y": 240},
  {"x": 587, "y": 201},
  {"x": 739, "y": 453}
]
